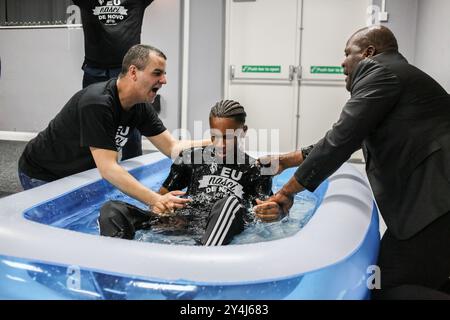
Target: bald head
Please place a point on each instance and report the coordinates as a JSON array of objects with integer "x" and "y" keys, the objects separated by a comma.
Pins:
[
  {"x": 366, "y": 43},
  {"x": 379, "y": 37}
]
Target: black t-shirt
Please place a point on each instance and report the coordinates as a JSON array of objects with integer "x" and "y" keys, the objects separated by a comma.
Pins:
[
  {"x": 208, "y": 179},
  {"x": 93, "y": 117},
  {"x": 111, "y": 27}
]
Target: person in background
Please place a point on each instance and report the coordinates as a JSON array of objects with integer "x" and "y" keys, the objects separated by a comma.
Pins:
[
  {"x": 400, "y": 117},
  {"x": 111, "y": 28}
]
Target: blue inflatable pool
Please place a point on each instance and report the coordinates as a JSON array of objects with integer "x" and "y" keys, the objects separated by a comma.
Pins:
[{"x": 41, "y": 257}]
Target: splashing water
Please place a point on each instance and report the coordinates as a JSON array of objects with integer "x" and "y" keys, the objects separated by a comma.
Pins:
[
  {"x": 257, "y": 231},
  {"x": 85, "y": 219}
]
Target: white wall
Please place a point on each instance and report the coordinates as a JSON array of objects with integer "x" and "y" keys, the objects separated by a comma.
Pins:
[
  {"x": 162, "y": 29},
  {"x": 403, "y": 22},
  {"x": 40, "y": 72},
  {"x": 206, "y": 50},
  {"x": 433, "y": 40},
  {"x": 41, "y": 68},
  {"x": 422, "y": 29}
]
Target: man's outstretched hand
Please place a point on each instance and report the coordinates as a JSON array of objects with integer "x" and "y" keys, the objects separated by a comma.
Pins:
[
  {"x": 275, "y": 164},
  {"x": 279, "y": 204},
  {"x": 274, "y": 208},
  {"x": 270, "y": 165}
]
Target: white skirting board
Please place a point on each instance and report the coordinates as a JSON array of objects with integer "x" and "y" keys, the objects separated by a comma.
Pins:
[
  {"x": 27, "y": 136},
  {"x": 17, "y": 136}
]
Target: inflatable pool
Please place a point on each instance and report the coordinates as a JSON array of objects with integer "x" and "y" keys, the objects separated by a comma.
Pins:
[{"x": 329, "y": 258}]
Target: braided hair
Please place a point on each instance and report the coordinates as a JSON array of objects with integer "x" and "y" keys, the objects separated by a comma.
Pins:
[{"x": 228, "y": 109}]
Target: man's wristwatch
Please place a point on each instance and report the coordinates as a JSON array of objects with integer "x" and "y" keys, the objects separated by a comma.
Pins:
[{"x": 306, "y": 151}]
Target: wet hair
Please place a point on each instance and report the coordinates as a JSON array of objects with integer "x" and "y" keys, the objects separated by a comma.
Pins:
[
  {"x": 139, "y": 56},
  {"x": 228, "y": 109},
  {"x": 380, "y": 37}
]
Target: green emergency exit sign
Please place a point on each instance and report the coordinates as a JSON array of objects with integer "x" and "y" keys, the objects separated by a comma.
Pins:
[
  {"x": 327, "y": 70},
  {"x": 261, "y": 69}
]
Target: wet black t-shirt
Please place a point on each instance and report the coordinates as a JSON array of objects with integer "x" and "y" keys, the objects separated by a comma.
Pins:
[
  {"x": 111, "y": 27},
  {"x": 208, "y": 180},
  {"x": 93, "y": 117}
]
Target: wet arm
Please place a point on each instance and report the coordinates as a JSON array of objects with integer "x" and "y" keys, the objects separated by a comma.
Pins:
[
  {"x": 171, "y": 147},
  {"x": 110, "y": 170}
]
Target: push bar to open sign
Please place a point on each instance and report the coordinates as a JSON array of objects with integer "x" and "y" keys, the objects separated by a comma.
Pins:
[{"x": 262, "y": 69}]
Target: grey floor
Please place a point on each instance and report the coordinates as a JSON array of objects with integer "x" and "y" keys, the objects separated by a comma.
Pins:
[{"x": 10, "y": 152}]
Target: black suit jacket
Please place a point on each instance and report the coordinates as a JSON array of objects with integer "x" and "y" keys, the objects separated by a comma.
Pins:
[{"x": 401, "y": 118}]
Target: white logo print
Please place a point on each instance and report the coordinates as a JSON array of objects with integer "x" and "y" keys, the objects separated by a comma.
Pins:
[
  {"x": 112, "y": 13},
  {"x": 225, "y": 183},
  {"x": 121, "y": 137},
  {"x": 220, "y": 184}
]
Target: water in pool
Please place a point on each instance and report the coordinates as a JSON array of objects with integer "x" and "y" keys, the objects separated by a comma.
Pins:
[
  {"x": 304, "y": 206},
  {"x": 78, "y": 210}
]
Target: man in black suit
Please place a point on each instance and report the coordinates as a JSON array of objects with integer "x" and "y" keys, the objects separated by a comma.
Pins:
[{"x": 400, "y": 117}]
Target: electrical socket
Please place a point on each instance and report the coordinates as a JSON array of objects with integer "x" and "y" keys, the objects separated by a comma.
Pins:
[{"x": 383, "y": 17}]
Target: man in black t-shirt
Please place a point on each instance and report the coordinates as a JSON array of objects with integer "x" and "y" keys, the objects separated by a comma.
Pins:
[
  {"x": 94, "y": 125},
  {"x": 222, "y": 181},
  {"x": 111, "y": 28}
]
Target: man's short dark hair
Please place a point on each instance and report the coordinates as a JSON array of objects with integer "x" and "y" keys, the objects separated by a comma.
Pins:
[{"x": 139, "y": 56}]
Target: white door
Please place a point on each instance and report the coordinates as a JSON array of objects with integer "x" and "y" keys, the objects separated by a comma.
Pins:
[
  {"x": 282, "y": 62},
  {"x": 327, "y": 25},
  {"x": 262, "y": 51}
]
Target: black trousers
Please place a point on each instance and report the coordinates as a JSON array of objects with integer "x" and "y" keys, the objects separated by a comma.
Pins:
[
  {"x": 224, "y": 221},
  {"x": 416, "y": 268}
]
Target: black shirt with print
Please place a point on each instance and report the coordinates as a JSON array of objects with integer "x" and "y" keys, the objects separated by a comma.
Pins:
[
  {"x": 111, "y": 27},
  {"x": 209, "y": 179},
  {"x": 93, "y": 117}
]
